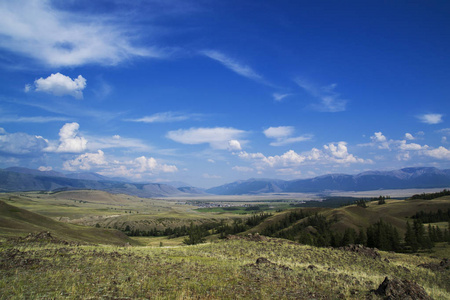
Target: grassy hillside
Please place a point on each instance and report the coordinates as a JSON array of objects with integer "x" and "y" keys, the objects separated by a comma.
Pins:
[
  {"x": 16, "y": 221},
  {"x": 224, "y": 270},
  {"x": 394, "y": 212}
]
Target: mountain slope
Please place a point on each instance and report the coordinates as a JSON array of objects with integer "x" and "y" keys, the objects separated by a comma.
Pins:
[
  {"x": 11, "y": 181},
  {"x": 373, "y": 180},
  {"x": 17, "y": 221}
]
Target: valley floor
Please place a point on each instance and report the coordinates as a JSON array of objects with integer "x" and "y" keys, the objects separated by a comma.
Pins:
[{"x": 240, "y": 268}]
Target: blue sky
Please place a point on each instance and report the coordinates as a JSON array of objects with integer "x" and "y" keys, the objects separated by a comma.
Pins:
[{"x": 208, "y": 92}]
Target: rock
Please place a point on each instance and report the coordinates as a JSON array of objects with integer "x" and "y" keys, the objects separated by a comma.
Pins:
[
  {"x": 393, "y": 289},
  {"x": 360, "y": 249},
  {"x": 443, "y": 265},
  {"x": 263, "y": 260}
]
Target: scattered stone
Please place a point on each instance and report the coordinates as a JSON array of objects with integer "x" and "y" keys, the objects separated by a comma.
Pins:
[
  {"x": 443, "y": 265},
  {"x": 262, "y": 261},
  {"x": 363, "y": 250},
  {"x": 250, "y": 237},
  {"x": 312, "y": 267},
  {"x": 393, "y": 289},
  {"x": 387, "y": 260}
]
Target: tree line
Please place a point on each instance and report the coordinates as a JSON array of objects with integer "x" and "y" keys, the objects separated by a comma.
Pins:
[{"x": 429, "y": 196}]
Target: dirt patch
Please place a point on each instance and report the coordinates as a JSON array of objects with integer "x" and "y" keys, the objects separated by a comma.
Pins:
[
  {"x": 393, "y": 289},
  {"x": 360, "y": 249}
]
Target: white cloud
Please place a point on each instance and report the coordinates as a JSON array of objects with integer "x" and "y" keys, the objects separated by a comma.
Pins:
[
  {"x": 329, "y": 100},
  {"x": 209, "y": 176},
  {"x": 331, "y": 153},
  {"x": 339, "y": 153},
  {"x": 280, "y": 97},
  {"x": 439, "y": 153},
  {"x": 380, "y": 140},
  {"x": 59, "y": 38},
  {"x": 69, "y": 141},
  {"x": 411, "y": 146},
  {"x": 37, "y": 119},
  {"x": 233, "y": 65},
  {"x": 85, "y": 161},
  {"x": 431, "y": 118},
  {"x": 144, "y": 164},
  {"x": 279, "y": 132},
  {"x": 165, "y": 117},
  {"x": 116, "y": 141},
  {"x": 136, "y": 168},
  {"x": 21, "y": 143},
  {"x": 409, "y": 136},
  {"x": 43, "y": 168},
  {"x": 60, "y": 85},
  {"x": 282, "y": 134},
  {"x": 242, "y": 169},
  {"x": 234, "y": 145},
  {"x": 217, "y": 137}
]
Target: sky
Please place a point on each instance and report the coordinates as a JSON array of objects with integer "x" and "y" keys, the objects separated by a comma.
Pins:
[{"x": 209, "y": 92}]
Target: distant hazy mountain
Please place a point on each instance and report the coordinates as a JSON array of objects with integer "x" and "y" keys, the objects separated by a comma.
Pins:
[
  {"x": 23, "y": 179},
  {"x": 373, "y": 180}
]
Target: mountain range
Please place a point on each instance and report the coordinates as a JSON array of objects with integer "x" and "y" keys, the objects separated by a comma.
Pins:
[
  {"x": 407, "y": 178},
  {"x": 23, "y": 179}
]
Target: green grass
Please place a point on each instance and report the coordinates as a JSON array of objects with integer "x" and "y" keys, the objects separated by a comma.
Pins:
[{"x": 221, "y": 270}]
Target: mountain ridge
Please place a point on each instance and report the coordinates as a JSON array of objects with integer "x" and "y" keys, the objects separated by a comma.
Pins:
[{"x": 412, "y": 177}]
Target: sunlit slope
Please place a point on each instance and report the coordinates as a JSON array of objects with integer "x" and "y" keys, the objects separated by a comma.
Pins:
[
  {"x": 394, "y": 212},
  {"x": 16, "y": 221}
]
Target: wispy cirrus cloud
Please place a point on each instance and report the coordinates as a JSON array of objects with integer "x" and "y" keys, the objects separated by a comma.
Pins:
[
  {"x": 36, "y": 29},
  {"x": 233, "y": 65},
  {"x": 329, "y": 99},
  {"x": 166, "y": 117},
  {"x": 36, "y": 119},
  {"x": 279, "y": 97}
]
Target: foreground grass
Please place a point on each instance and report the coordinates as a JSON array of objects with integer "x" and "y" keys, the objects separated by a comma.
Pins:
[{"x": 225, "y": 270}]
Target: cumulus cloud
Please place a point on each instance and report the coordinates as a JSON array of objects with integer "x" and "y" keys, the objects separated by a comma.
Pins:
[
  {"x": 85, "y": 161},
  {"x": 409, "y": 136},
  {"x": 439, "y": 153},
  {"x": 331, "y": 153},
  {"x": 21, "y": 143},
  {"x": 329, "y": 99},
  {"x": 217, "y": 137},
  {"x": 403, "y": 145},
  {"x": 380, "y": 140},
  {"x": 69, "y": 141},
  {"x": 234, "y": 145},
  {"x": 430, "y": 118},
  {"x": 136, "y": 168},
  {"x": 59, "y": 38},
  {"x": 282, "y": 135},
  {"x": 60, "y": 85}
]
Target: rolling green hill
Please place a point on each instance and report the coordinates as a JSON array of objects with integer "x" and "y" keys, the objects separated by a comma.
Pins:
[
  {"x": 394, "y": 212},
  {"x": 16, "y": 221}
]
